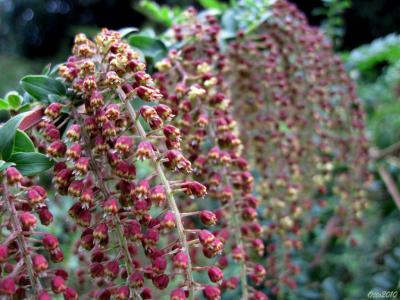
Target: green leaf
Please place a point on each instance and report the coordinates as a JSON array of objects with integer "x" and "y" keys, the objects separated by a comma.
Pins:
[
  {"x": 127, "y": 31},
  {"x": 41, "y": 86},
  {"x": 7, "y": 135},
  {"x": 23, "y": 143},
  {"x": 14, "y": 99},
  {"x": 213, "y": 4},
  {"x": 46, "y": 70},
  {"x": 152, "y": 48},
  {"x": 161, "y": 14},
  {"x": 3, "y": 104},
  {"x": 24, "y": 108},
  {"x": 31, "y": 163},
  {"x": 4, "y": 165}
]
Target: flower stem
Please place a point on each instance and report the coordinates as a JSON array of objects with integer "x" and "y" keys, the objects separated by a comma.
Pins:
[
  {"x": 16, "y": 226},
  {"x": 170, "y": 197},
  {"x": 106, "y": 193}
]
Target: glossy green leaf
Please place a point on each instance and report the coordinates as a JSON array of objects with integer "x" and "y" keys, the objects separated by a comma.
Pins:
[
  {"x": 46, "y": 70},
  {"x": 152, "y": 48},
  {"x": 4, "y": 165},
  {"x": 7, "y": 135},
  {"x": 31, "y": 163},
  {"x": 158, "y": 13},
  {"x": 41, "y": 86},
  {"x": 14, "y": 99},
  {"x": 23, "y": 143},
  {"x": 213, "y": 4},
  {"x": 24, "y": 108},
  {"x": 3, "y": 104}
]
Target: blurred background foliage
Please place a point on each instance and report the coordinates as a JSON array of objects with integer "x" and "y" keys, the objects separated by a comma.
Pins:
[{"x": 365, "y": 34}]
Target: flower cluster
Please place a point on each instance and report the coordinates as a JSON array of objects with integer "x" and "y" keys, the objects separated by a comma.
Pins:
[
  {"x": 113, "y": 159},
  {"x": 25, "y": 252},
  {"x": 191, "y": 85},
  {"x": 302, "y": 124}
]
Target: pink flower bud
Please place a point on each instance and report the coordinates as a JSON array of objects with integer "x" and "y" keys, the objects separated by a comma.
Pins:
[
  {"x": 3, "y": 253},
  {"x": 112, "y": 111},
  {"x": 58, "y": 284},
  {"x": 43, "y": 295},
  {"x": 7, "y": 286},
  {"x": 163, "y": 111},
  {"x": 13, "y": 175},
  {"x": 180, "y": 260},
  {"x": 208, "y": 218},
  {"x": 96, "y": 100},
  {"x": 171, "y": 132},
  {"x": 36, "y": 195},
  {"x": 194, "y": 188},
  {"x": 124, "y": 143},
  {"x": 168, "y": 221},
  {"x": 39, "y": 263},
  {"x": 122, "y": 293},
  {"x": 28, "y": 221},
  {"x": 177, "y": 294},
  {"x": 53, "y": 110},
  {"x": 57, "y": 149},
  {"x": 211, "y": 292},
  {"x": 145, "y": 150},
  {"x": 74, "y": 132}
]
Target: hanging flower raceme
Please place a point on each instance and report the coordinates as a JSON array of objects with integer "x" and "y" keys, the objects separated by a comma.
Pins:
[
  {"x": 27, "y": 253},
  {"x": 190, "y": 82},
  {"x": 117, "y": 161},
  {"x": 303, "y": 125}
]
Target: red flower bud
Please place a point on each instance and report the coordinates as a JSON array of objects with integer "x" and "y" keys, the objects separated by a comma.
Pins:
[
  {"x": 215, "y": 274},
  {"x": 161, "y": 282},
  {"x": 132, "y": 230},
  {"x": 112, "y": 111},
  {"x": 112, "y": 269},
  {"x": 101, "y": 232},
  {"x": 125, "y": 170},
  {"x": 122, "y": 293},
  {"x": 157, "y": 195},
  {"x": 208, "y": 218},
  {"x": 43, "y": 295},
  {"x": 56, "y": 255},
  {"x": 82, "y": 165},
  {"x": 159, "y": 264},
  {"x": 75, "y": 188},
  {"x": 74, "y": 152},
  {"x": 70, "y": 294},
  {"x": 110, "y": 206},
  {"x": 168, "y": 221},
  {"x": 50, "y": 242},
  {"x": 171, "y": 132},
  {"x": 136, "y": 280},
  {"x": 7, "y": 286},
  {"x": 45, "y": 216}
]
